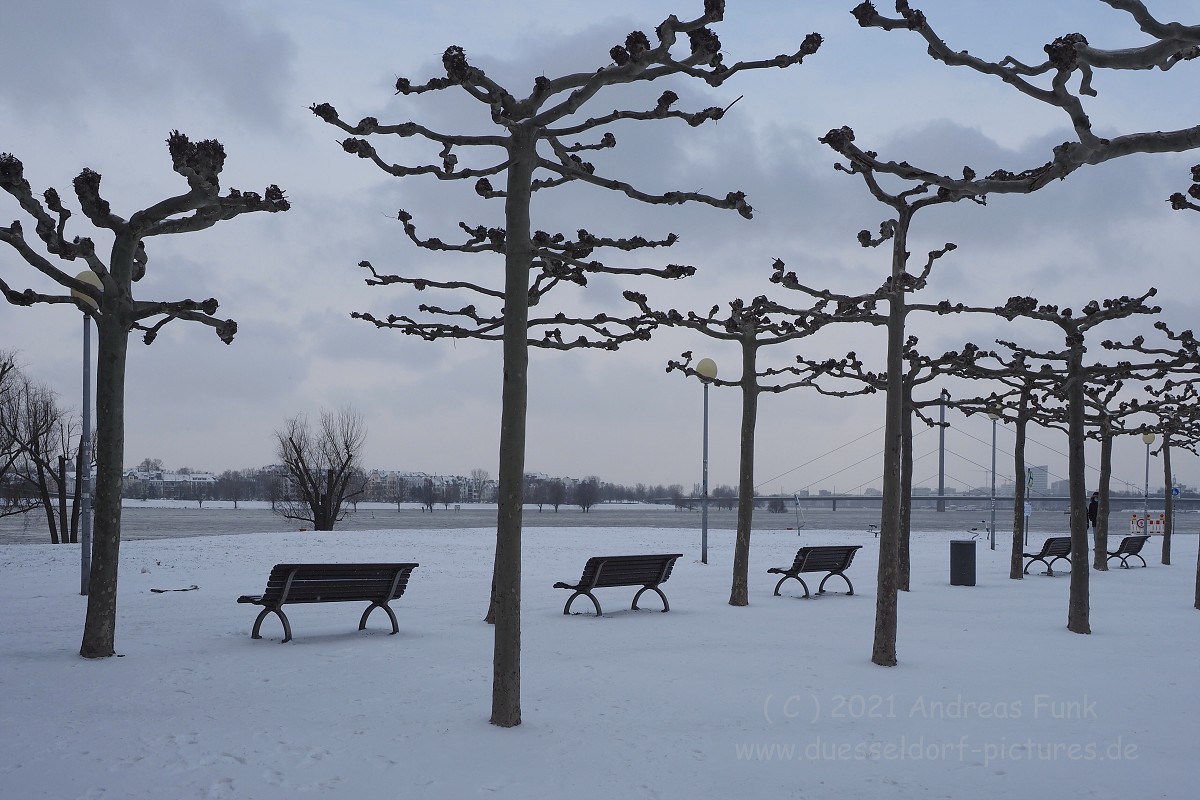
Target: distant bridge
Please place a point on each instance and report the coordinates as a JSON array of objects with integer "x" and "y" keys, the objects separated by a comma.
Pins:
[{"x": 944, "y": 502}]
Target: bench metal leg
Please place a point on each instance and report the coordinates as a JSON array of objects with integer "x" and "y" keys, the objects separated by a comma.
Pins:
[
  {"x": 590, "y": 596},
  {"x": 287, "y": 628},
  {"x": 1054, "y": 561},
  {"x": 1033, "y": 561},
  {"x": 842, "y": 575},
  {"x": 797, "y": 577},
  {"x": 666, "y": 605},
  {"x": 1125, "y": 558},
  {"x": 362, "y": 623}
]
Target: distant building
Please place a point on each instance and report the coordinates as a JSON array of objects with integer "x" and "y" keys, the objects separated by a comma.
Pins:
[
  {"x": 1037, "y": 479},
  {"x": 1061, "y": 488},
  {"x": 169, "y": 485}
]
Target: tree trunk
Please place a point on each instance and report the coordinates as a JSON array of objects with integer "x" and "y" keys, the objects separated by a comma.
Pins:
[
  {"x": 1197, "y": 603},
  {"x": 883, "y": 650},
  {"x": 1016, "y": 569},
  {"x": 1168, "y": 500},
  {"x": 906, "y": 473},
  {"x": 77, "y": 495},
  {"x": 43, "y": 488},
  {"x": 518, "y": 256},
  {"x": 738, "y": 594},
  {"x": 1100, "y": 559},
  {"x": 60, "y": 479},
  {"x": 100, "y": 624},
  {"x": 1078, "y": 607}
]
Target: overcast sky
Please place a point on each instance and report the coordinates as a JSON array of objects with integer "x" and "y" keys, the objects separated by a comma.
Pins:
[{"x": 102, "y": 85}]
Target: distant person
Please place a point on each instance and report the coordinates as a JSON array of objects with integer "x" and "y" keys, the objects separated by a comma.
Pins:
[{"x": 1093, "y": 509}]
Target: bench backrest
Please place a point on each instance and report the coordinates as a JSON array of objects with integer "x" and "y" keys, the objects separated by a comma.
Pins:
[
  {"x": 331, "y": 582},
  {"x": 1132, "y": 545},
  {"x": 1056, "y": 546},
  {"x": 824, "y": 558},
  {"x": 647, "y": 570}
]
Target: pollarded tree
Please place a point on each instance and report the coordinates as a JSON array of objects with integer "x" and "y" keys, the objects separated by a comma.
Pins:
[
  {"x": 324, "y": 466},
  {"x": 116, "y": 313},
  {"x": 1179, "y": 202},
  {"x": 1172, "y": 402},
  {"x": 1032, "y": 390},
  {"x": 1069, "y": 361},
  {"x": 534, "y": 147},
  {"x": 1016, "y": 401},
  {"x": 893, "y": 291},
  {"x": 753, "y": 326},
  {"x": 1068, "y": 57}
]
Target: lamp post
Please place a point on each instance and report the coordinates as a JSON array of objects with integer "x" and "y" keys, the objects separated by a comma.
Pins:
[
  {"x": 941, "y": 501},
  {"x": 85, "y": 437},
  {"x": 706, "y": 368},
  {"x": 1148, "y": 438},
  {"x": 993, "y": 416}
]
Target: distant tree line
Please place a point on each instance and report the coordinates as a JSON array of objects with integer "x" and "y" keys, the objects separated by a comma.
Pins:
[{"x": 150, "y": 480}]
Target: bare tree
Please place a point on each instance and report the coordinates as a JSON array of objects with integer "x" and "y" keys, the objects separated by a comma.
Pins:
[
  {"x": 1172, "y": 401},
  {"x": 1073, "y": 396},
  {"x": 479, "y": 481},
  {"x": 536, "y": 152},
  {"x": 1068, "y": 57},
  {"x": 324, "y": 466},
  {"x": 894, "y": 291},
  {"x": 151, "y": 465},
  {"x": 39, "y": 439},
  {"x": 13, "y": 500},
  {"x": 232, "y": 485},
  {"x": 1180, "y": 202},
  {"x": 555, "y": 493},
  {"x": 753, "y": 326},
  {"x": 587, "y": 492},
  {"x": 116, "y": 313}
]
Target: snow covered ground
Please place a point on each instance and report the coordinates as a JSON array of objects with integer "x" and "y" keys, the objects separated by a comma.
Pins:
[{"x": 993, "y": 697}]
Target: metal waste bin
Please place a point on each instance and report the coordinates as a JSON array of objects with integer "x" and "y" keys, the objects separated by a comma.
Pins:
[{"x": 962, "y": 562}]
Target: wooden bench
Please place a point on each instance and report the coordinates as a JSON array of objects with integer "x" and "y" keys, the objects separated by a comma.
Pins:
[
  {"x": 377, "y": 584},
  {"x": 834, "y": 559},
  {"x": 1053, "y": 549},
  {"x": 1130, "y": 546},
  {"x": 601, "y": 572}
]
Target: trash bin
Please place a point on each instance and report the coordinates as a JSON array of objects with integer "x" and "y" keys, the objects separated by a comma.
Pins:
[{"x": 962, "y": 562}]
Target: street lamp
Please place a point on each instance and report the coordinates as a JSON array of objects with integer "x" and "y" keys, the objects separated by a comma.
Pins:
[
  {"x": 1148, "y": 438},
  {"x": 85, "y": 438},
  {"x": 941, "y": 501},
  {"x": 706, "y": 368},
  {"x": 993, "y": 416}
]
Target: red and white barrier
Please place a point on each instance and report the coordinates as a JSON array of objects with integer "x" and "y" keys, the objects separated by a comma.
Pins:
[{"x": 1152, "y": 524}]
